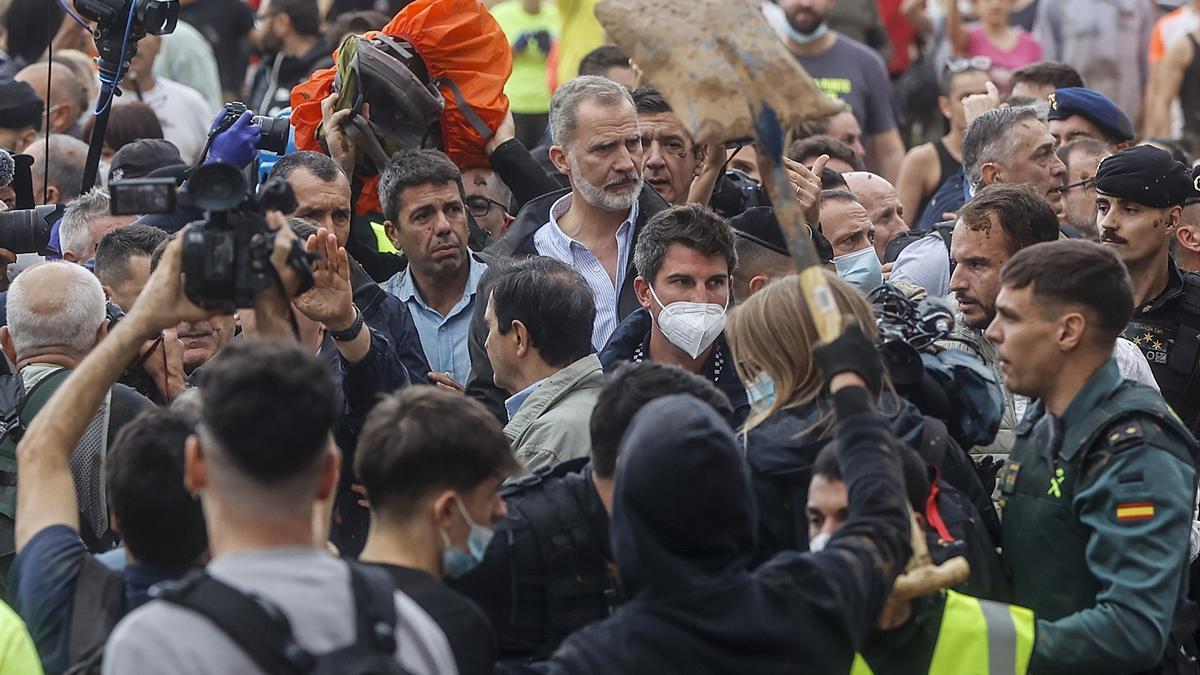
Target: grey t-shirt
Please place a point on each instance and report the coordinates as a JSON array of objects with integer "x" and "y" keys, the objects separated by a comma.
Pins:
[
  {"x": 310, "y": 586},
  {"x": 852, "y": 72}
]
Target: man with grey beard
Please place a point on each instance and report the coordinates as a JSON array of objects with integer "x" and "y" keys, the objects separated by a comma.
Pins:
[{"x": 594, "y": 225}]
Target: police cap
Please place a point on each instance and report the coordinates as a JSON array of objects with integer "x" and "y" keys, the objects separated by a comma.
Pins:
[{"x": 1148, "y": 176}]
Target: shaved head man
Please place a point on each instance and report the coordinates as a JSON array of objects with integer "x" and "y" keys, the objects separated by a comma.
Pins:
[
  {"x": 68, "y": 96},
  {"x": 883, "y": 206}
]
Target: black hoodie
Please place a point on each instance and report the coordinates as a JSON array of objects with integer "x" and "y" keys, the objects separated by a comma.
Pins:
[{"x": 683, "y": 539}]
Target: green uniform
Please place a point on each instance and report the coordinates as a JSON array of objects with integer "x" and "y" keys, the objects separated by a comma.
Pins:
[{"x": 1096, "y": 519}]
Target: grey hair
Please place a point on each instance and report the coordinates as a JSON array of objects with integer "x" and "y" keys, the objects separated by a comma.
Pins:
[
  {"x": 68, "y": 155},
  {"x": 68, "y": 320},
  {"x": 565, "y": 103},
  {"x": 75, "y": 231},
  {"x": 990, "y": 139}
]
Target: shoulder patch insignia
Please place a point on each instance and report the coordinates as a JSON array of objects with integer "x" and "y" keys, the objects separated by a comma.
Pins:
[
  {"x": 1124, "y": 432},
  {"x": 1134, "y": 511}
]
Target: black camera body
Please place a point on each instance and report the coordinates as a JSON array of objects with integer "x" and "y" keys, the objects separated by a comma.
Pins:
[
  {"x": 28, "y": 230},
  {"x": 156, "y": 17},
  {"x": 735, "y": 192},
  {"x": 227, "y": 256},
  {"x": 274, "y": 132}
]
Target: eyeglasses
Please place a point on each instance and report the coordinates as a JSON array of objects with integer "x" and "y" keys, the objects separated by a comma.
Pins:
[
  {"x": 479, "y": 206},
  {"x": 1086, "y": 184},
  {"x": 960, "y": 65}
]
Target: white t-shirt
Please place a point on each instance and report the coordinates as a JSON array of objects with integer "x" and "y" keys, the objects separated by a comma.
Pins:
[{"x": 184, "y": 114}]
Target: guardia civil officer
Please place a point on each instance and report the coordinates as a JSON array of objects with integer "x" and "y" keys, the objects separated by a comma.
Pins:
[
  {"x": 1097, "y": 495},
  {"x": 1140, "y": 194}
]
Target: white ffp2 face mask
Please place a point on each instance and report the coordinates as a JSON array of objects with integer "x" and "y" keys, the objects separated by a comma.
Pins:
[{"x": 691, "y": 326}]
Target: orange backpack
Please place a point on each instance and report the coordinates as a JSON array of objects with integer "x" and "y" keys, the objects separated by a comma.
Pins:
[{"x": 467, "y": 58}]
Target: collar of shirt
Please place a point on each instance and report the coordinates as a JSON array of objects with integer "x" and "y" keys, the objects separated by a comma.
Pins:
[
  {"x": 1098, "y": 387},
  {"x": 1173, "y": 290},
  {"x": 564, "y": 244},
  {"x": 404, "y": 288},
  {"x": 514, "y": 402}
]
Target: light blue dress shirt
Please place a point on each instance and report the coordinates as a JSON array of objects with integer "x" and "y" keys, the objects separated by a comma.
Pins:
[
  {"x": 514, "y": 402},
  {"x": 444, "y": 338},
  {"x": 551, "y": 241}
]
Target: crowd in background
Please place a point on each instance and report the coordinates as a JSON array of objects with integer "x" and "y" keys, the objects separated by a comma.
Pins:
[{"x": 535, "y": 382}]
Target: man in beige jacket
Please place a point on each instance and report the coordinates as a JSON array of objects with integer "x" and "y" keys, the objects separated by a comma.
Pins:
[{"x": 539, "y": 342}]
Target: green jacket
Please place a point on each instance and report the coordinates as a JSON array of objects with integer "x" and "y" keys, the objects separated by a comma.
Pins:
[
  {"x": 552, "y": 425},
  {"x": 1095, "y": 527}
]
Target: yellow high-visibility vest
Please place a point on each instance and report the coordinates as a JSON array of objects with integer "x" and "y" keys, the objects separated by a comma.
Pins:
[
  {"x": 382, "y": 243},
  {"x": 977, "y": 637}
]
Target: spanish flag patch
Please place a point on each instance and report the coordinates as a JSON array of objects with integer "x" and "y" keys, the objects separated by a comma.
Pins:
[{"x": 1139, "y": 511}]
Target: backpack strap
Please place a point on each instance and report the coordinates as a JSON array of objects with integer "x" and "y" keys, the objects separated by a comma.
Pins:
[
  {"x": 98, "y": 603},
  {"x": 255, "y": 625},
  {"x": 465, "y": 108},
  {"x": 375, "y": 612}
]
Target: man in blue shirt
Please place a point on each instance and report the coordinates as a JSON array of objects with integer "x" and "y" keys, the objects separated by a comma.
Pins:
[{"x": 421, "y": 195}]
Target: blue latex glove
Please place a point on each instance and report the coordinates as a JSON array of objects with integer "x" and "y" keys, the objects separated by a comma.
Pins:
[
  {"x": 237, "y": 145},
  {"x": 543, "y": 41},
  {"x": 521, "y": 42}
]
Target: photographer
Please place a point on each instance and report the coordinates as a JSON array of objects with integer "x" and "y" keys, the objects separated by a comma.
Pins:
[{"x": 263, "y": 458}]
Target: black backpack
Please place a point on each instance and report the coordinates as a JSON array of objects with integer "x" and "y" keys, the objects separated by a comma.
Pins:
[
  {"x": 98, "y": 603},
  {"x": 264, "y": 633},
  {"x": 17, "y": 409},
  {"x": 943, "y": 231}
]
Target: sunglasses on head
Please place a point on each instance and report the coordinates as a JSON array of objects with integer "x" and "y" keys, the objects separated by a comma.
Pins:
[{"x": 963, "y": 64}]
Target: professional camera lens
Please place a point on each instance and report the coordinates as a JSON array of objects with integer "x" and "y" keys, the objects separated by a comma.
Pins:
[
  {"x": 216, "y": 187},
  {"x": 274, "y": 136},
  {"x": 28, "y": 230}
]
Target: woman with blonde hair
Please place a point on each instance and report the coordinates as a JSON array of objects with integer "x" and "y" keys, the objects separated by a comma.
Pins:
[{"x": 772, "y": 337}]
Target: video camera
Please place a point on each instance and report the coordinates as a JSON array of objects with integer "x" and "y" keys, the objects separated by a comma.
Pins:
[
  {"x": 156, "y": 17},
  {"x": 227, "y": 255},
  {"x": 28, "y": 230},
  {"x": 908, "y": 328}
]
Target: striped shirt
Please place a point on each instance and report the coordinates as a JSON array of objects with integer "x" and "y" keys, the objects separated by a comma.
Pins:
[{"x": 551, "y": 241}]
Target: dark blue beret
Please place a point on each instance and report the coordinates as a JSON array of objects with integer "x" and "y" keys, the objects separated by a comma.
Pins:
[{"x": 1093, "y": 106}]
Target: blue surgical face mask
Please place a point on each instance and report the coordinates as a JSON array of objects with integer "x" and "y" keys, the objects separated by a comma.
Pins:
[
  {"x": 802, "y": 39},
  {"x": 860, "y": 268},
  {"x": 761, "y": 391},
  {"x": 456, "y": 563}
]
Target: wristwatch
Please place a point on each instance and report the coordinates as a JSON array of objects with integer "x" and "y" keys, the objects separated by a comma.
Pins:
[{"x": 351, "y": 332}]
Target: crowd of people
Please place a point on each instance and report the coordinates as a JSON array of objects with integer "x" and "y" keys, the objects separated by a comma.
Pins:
[{"x": 535, "y": 381}]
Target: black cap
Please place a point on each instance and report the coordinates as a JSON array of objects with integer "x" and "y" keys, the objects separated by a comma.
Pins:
[
  {"x": 20, "y": 106},
  {"x": 1148, "y": 176},
  {"x": 760, "y": 226},
  {"x": 141, "y": 158}
]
